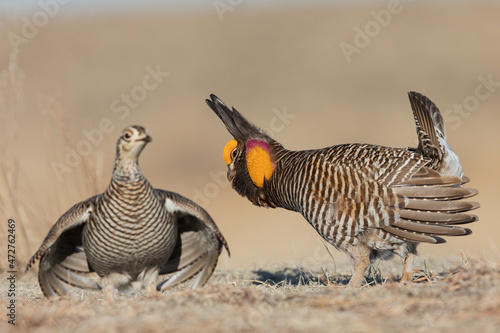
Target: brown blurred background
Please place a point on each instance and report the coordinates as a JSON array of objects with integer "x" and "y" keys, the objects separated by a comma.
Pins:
[{"x": 283, "y": 67}]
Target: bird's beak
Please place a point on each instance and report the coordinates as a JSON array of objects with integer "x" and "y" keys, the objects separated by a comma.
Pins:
[{"x": 147, "y": 138}]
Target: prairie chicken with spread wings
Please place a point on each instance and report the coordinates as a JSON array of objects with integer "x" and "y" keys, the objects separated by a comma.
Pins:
[
  {"x": 367, "y": 200},
  {"x": 130, "y": 234}
]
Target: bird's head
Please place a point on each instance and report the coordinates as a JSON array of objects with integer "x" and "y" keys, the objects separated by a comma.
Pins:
[
  {"x": 131, "y": 142},
  {"x": 250, "y": 156}
]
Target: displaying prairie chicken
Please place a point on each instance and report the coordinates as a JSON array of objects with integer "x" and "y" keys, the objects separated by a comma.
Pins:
[
  {"x": 130, "y": 234},
  {"x": 366, "y": 200}
]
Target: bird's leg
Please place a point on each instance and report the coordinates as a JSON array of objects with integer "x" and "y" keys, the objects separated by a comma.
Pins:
[
  {"x": 360, "y": 257},
  {"x": 407, "y": 274},
  {"x": 112, "y": 280},
  {"x": 108, "y": 290},
  {"x": 148, "y": 277}
]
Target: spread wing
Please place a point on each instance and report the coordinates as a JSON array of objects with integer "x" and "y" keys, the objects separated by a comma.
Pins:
[
  {"x": 401, "y": 196},
  {"x": 62, "y": 258},
  {"x": 198, "y": 246},
  {"x": 432, "y": 207}
]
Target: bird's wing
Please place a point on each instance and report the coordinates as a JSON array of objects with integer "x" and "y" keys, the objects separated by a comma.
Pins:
[
  {"x": 433, "y": 207},
  {"x": 198, "y": 246},
  {"x": 351, "y": 200},
  {"x": 402, "y": 197},
  {"x": 61, "y": 255}
]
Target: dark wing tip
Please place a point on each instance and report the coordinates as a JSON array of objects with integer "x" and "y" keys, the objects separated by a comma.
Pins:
[
  {"x": 439, "y": 240},
  {"x": 36, "y": 257},
  {"x": 31, "y": 262},
  {"x": 224, "y": 243},
  {"x": 467, "y": 231}
]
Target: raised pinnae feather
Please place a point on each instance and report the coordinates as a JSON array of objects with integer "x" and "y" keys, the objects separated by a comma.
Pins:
[{"x": 240, "y": 128}]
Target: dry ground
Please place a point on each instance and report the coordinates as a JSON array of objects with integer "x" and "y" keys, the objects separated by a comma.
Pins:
[{"x": 465, "y": 298}]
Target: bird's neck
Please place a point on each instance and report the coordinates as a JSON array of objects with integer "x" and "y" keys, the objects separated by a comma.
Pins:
[
  {"x": 265, "y": 195},
  {"x": 128, "y": 184},
  {"x": 286, "y": 185},
  {"x": 127, "y": 170}
]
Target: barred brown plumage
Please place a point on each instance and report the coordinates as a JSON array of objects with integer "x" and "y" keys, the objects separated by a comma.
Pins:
[
  {"x": 367, "y": 200},
  {"x": 130, "y": 233}
]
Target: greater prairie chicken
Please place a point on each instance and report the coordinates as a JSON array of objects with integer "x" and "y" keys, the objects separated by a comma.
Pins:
[
  {"x": 129, "y": 234},
  {"x": 367, "y": 200}
]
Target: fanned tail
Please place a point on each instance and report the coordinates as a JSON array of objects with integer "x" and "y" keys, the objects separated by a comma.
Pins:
[{"x": 432, "y": 137}]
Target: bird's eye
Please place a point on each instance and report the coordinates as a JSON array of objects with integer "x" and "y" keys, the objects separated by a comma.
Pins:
[
  {"x": 127, "y": 135},
  {"x": 234, "y": 153}
]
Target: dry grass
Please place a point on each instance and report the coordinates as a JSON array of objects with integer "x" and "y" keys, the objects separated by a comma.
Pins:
[
  {"x": 14, "y": 201},
  {"x": 15, "y": 193},
  {"x": 463, "y": 299}
]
